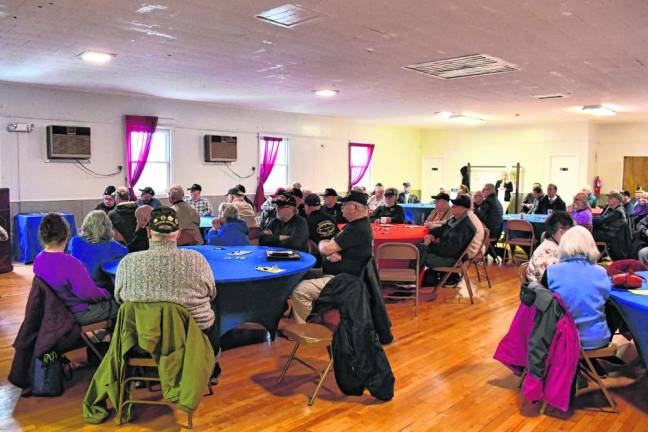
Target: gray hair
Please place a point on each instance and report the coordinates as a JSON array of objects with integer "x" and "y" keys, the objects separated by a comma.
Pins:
[
  {"x": 228, "y": 211},
  {"x": 578, "y": 241},
  {"x": 97, "y": 227}
]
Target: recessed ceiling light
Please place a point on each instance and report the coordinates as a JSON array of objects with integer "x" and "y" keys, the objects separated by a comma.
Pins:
[
  {"x": 96, "y": 57},
  {"x": 458, "y": 118},
  {"x": 598, "y": 110},
  {"x": 326, "y": 92},
  {"x": 444, "y": 114}
]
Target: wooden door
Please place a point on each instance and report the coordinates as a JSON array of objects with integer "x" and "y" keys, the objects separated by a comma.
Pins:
[{"x": 635, "y": 172}]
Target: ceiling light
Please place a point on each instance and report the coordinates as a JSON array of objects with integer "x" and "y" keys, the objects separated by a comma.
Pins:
[
  {"x": 458, "y": 118},
  {"x": 598, "y": 110},
  {"x": 288, "y": 15},
  {"x": 326, "y": 92},
  {"x": 444, "y": 114},
  {"x": 96, "y": 57}
]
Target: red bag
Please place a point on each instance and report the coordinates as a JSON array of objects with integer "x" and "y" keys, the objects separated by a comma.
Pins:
[{"x": 627, "y": 280}]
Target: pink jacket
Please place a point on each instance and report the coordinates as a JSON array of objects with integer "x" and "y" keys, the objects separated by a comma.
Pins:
[{"x": 552, "y": 379}]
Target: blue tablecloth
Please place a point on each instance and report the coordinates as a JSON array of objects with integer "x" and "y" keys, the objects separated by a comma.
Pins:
[
  {"x": 634, "y": 310},
  {"x": 246, "y": 294},
  {"x": 26, "y": 244},
  {"x": 417, "y": 213},
  {"x": 206, "y": 221},
  {"x": 537, "y": 220}
]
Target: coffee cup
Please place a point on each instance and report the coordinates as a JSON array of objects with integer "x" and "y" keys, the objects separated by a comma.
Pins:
[{"x": 384, "y": 220}]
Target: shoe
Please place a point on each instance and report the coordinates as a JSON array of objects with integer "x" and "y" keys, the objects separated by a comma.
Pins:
[
  {"x": 215, "y": 375},
  {"x": 452, "y": 281}
]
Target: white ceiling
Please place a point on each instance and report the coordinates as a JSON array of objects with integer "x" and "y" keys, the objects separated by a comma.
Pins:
[{"x": 215, "y": 50}]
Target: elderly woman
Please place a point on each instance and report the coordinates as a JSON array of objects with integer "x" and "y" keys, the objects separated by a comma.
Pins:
[
  {"x": 441, "y": 213},
  {"x": 68, "y": 276},
  {"x": 583, "y": 286},
  {"x": 95, "y": 245},
  {"x": 228, "y": 229},
  {"x": 581, "y": 211},
  {"x": 546, "y": 254}
]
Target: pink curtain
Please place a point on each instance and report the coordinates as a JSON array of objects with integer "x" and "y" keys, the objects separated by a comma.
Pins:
[
  {"x": 270, "y": 151},
  {"x": 141, "y": 141},
  {"x": 358, "y": 166}
]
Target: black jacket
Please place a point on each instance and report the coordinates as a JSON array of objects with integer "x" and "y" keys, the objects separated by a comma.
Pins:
[
  {"x": 101, "y": 206},
  {"x": 396, "y": 213},
  {"x": 490, "y": 212},
  {"x": 544, "y": 205},
  {"x": 359, "y": 360},
  {"x": 612, "y": 227},
  {"x": 123, "y": 219},
  {"x": 321, "y": 226},
  {"x": 297, "y": 230},
  {"x": 335, "y": 212},
  {"x": 453, "y": 238},
  {"x": 411, "y": 199},
  {"x": 508, "y": 188}
]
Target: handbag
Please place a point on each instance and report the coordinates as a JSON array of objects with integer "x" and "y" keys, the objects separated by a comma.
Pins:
[
  {"x": 628, "y": 280},
  {"x": 48, "y": 374}
]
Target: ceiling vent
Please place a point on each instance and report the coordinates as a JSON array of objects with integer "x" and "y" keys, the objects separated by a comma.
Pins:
[
  {"x": 466, "y": 66},
  {"x": 550, "y": 96},
  {"x": 288, "y": 15}
]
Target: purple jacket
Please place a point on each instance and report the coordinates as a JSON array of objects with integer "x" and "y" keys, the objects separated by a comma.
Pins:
[{"x": 551, "y": 368}]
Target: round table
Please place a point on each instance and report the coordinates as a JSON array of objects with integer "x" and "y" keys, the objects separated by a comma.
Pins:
[
  {"x": 417, "y": 213},
  {"x": 399, "y": 233},
  {"x": 634, "y": 310},
  {"x": 246, "y": 294},
  {"x": 26, "y": 242}
]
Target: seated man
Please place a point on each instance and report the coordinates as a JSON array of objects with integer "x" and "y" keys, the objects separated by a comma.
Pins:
[
  {"x": 188, "y": 217},
  {"x": 551, "y": 201},
  {"x": 332, "y": 206},
  {"x": 148, "y": 198},
  {"x": 628, "y": 204},
  {"x": 348, "y": 252},
  {"x": 529, "y": 201},
  {"x": 269, "y": 210},
  {"x": 202, "y": 205},
  {"x": 123, "y": 215},
  {"x": 490, "y": 211},
  {"x": 140, "y": 239},
  {"x": 406, "y": 197},
  {"x": 291, "y": 231},
  {"x": 441, "y": 213},
  {"x": 108, "y": 202},
  {"x": 392, "y": 211},
  {"x": 228, "y": 229},
  {"x": 377, "y": 199},
  {"x": 164, "y": 273},
  {"x": 591, "y": 198},
  {"x": 608, "y": 225},
  {"x": 443, "y": 245},
  {"x": 321, "y": 226},
  {"x": 245, "y": 210},
  {"x": 299, "y": 200}
]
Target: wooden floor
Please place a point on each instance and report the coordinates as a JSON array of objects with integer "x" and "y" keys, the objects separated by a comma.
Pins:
[{"x": 446, "y": 380}]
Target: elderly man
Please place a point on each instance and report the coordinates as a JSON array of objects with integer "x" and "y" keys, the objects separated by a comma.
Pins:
[
  {"x": 391, "y": 210},
  {"x": 443, "y": 245},
  {"x": 246, "y": 212},
  {"x": 165, "y": 273},
  {"x": 441, "y": 213},
  {"x": 628, "y": 204},
  {"x": 332, "y": 206},
  {"x": 406, "y": 197},
  {"x": 612, "y": 227},
  {"x": 202, "y": 205},
  {"x": 348, "y": 252},
  {"x": 147, "y": 197},
  {"x": 140, "y": 239},
  {"x": 551, "y": 201},
  {"x": 377, "y": 199},
  {"x": 490, "y": 211},
  {"x": 321, "y": 226},
  {"x": 291, "y": 230},
  {"x": 108, "y": 201},
  {"x": 122, "y": 215},
  {"x": 227, "y": 228},
  {"x": 188, "y": 217},
  {"x": 299, "y": 200}
]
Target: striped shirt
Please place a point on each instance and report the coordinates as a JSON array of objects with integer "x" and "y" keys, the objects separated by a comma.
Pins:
[{"x": 202, "y": 205}]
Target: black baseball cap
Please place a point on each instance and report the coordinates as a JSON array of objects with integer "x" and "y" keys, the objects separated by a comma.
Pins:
[
  {"x": 441, "y": 196},
  {"x": 355, "y": 196},
  {"x": 109, "y": 190},
  {"x": 312, "y": 200},
  {"x": 164, "y": 220},
  {"x": 297, "y": 193},
  {"x": 391, "y": 192},
  {"x": 330, "y": 192},
  {"x": 284, "y": 199},
  {"x": 235, "y": 191},
  {"x": 461, "y": 200},
  {"x": 148, "y": 189},
  {"x": 195, "y": 187}
]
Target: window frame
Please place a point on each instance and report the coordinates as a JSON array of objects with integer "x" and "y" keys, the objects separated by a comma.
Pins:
[
  {"x": 367, "y": 175},
  {"x": 169, "y": 150},
  {"x": 284, "y": 142}
]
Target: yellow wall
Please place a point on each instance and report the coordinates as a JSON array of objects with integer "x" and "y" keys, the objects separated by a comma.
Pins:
[{"x": 612, "y": 143}]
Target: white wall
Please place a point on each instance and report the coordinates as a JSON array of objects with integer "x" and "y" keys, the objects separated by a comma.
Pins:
[{"x": 318, "y": 146}]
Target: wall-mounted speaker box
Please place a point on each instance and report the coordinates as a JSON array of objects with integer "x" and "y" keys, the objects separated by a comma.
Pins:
[
  {"x": 220, "y": 148},
  {"x": 5, "y": 222}
]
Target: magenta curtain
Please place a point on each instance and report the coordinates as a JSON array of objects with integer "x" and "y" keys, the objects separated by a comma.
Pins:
[
  {"x": 270, "y": 151},
  {"x": 358, "y": 167},
  {"x": 137, "y": 146}
]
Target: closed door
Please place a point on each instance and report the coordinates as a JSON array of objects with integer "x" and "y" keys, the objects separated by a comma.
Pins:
[
  {"x": 635, "y": 173},
  {"x": 431, "y": 177},
  {"x": 564, "y": 174}
]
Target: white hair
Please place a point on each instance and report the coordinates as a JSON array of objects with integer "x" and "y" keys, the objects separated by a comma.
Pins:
[
  {"x": 228, "y": 211},
  {"x": 578, "y": 241},
  {"x": 97, "y": 227}
]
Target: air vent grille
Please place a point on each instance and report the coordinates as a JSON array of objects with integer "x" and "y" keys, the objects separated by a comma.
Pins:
[
  {"x": 550, "y": 96},
  {"x": 288, "y": 15},
  {"x": 462, "y": 67}
]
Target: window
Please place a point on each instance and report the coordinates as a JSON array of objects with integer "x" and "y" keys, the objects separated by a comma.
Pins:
[
  {"x": 157, "y": 171},
  {"x": 360, "y": 164},
  {"x": 279, "y": 175}
]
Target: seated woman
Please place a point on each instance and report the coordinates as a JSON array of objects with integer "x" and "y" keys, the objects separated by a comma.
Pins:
[
  {"x": 228, "y": 229},
  {"x": 95, "y": 246},
  {"x": 583, "y": 286},
  {"x": 546, "y": 254},
  {"x": 581, "y": 211},
  {"x": 68, "y": 276}
]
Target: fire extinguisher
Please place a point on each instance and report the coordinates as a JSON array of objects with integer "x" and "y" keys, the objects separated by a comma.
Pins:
[{"x": 597, "y": 185}]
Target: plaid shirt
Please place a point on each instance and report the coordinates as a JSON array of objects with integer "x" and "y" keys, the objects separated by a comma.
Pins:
[{"x": 202, "y": 205}]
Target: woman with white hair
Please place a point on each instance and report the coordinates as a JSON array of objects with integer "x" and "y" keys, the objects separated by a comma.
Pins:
[
  {"x": 228, "y": 229},
  {"x": 95, "y": 245},
  {"x": 583, "y": 286}
]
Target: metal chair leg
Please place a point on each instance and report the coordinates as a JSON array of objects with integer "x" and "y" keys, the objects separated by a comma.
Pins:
[
  {"x": 464, "y": 273},
  {"x": 486, "y": 272},
  {"x": 190, "y": 420},
  {"x": 287, "y": 365},
  {"x": 311, "y": 401},
  {"x": 543, "y": 409}
]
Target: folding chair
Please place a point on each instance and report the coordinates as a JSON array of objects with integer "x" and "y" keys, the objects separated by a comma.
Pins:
[
  {"x": 406, "y": 252},
  {"x": 460, "y": 267},
  {"x": 89, "y": 335},
  {"x": 518, "y": 226},
  {"x": 479, "y": 257},
  {"x": 308, "y": 334}
]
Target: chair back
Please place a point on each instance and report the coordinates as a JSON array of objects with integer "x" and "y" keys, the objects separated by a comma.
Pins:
[
  {"x": 519, "y": 226},
  {"x": 397, "y": 251},
  {"x": 486, "y": 243},
  {"x": 187, "y": 237},
  {"x": 254, "y": 232},
  {"x": 522, "y": 272}
]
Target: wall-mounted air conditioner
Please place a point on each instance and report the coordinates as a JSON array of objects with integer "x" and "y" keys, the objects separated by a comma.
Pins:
[
  {"x": 220, "y": 148},
  {"x": 68, "y": 142}
]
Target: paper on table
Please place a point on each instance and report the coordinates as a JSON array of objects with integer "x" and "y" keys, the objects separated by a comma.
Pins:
[
  {"x": 240, "y": 252},
  {"x": 639, "y": 292},
  {"x": 270, "y": 269}
]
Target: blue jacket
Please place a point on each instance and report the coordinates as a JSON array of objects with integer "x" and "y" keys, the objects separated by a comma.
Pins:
[
  {"x": 155, "y": 203},
  {"x": 93, "y": 255},
  {"x": 233, "y": 233},
  {"x": 584, "y": 288}
]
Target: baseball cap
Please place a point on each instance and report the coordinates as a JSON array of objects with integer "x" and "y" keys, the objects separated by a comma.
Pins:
[
  {"x": 109, "y": 190},
  {"x": 296, "y": 193},
  {"x": 235, "y": 191},
  {"x": 354, "y": 196},
  {"x": 330, "y": 192},
  {"x": 284, "y": 199},
  {"x": 313, "y": 200},
  {"x": 615, "y": 194},
  {"x": 195, "y": 187},
  {"x": 391, "y": 192},
  {"x": 441, "y": 196},
  {"x": 461, "y": 200},
  {"x": 278, "y": 191},
  {"x": 148, "y": 190},
  {"x": 164, "y": 220}
]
